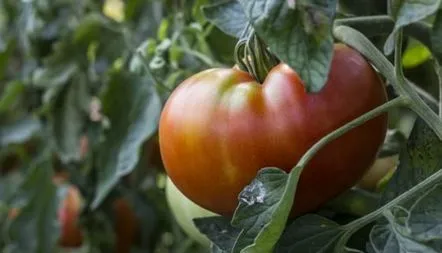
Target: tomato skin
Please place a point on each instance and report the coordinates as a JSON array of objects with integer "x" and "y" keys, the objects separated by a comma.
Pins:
[{"x": 219, "y": 127}]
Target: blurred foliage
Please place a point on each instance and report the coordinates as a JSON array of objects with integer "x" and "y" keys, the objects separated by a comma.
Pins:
[{"x": 82, "y": 84}]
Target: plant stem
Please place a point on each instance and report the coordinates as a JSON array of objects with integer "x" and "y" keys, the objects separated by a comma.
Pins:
[
  {"x": 358, "y": 41},
  {"x": 418, "y": 105},
  {"x": 424, "y": 94},
  {"x": 399, "y": 101},
  {"x": 293, "y": 176},
  {"x": 252, "y": 55},
  {"x": 404, "y": 197},
  {"x": 384, "y": 24},
  {"x": 149, "y": 73}
]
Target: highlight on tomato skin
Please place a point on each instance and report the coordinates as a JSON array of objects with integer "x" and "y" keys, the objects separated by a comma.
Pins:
[{"x": 219, "y": 127}]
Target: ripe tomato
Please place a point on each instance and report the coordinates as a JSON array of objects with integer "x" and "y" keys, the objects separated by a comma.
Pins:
[
  {"x": 68, "y": 215},
  {"x": 219, "y": 127},
  {"x": 126, "y": 225},
  {"x": 70, "y": 235}
]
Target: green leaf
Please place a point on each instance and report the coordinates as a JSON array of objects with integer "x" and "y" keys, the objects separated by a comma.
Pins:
[
  {"x": 420, "y": 158},
  {"x": 425, "y": 219},
  {"x": 19, "y": 131},
  {"x": 133, "y": 107},
  {"x": 299, "y": 35},
  {"x": 197, "y": 12},
  {"x": 416, "y": 230},
  {"x": 69, "y": 118},
  {"x": 310, "y": 233},
  {"x": 9, "y": 186},
  {"x": 6, "y": 51},
  {"x": 219, "y": 230},
  {"x": 263, "y": 209},
  {"x": 394, "y": 237},
  {"x": 228, "y": 16},
  {"x": 10, "y": 95},
  {"x": 436, "y": 36},
  {"x": 407, "y": 12},
  {"x": 36, "y": 228},
  {"x": 53, "y": 76}
]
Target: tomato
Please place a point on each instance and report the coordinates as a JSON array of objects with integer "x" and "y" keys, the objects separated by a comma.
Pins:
[
  {"x": 68, "y": 215},
  {"x": 220, "y": 126},
  {"x": 184, "y": 211},
  {"x": 70, "y": 235},
  {"x": 126, "y": 225}
]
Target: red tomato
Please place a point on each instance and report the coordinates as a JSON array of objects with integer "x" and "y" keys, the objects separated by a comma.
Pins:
[
  {"x": 68, "y": 215},
  {"x": 219, "y": 127},
  {"x": 126, "y": 225}
]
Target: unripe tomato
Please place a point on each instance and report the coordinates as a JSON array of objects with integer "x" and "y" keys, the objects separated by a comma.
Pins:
[
  {"x": 220, "y": 126},
  {"x": 184, "y": 211},
  {"x": 378, "y": 171}
]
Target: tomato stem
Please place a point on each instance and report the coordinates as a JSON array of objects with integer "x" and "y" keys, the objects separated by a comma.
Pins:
[
  {"x": 384, "y": 24},
  {"x": 399, "y": 101},
  {"x": 252, "y": 55},
  {"x": 149, "y": 73},
  {"x": 404, "y": 197},
  {"x": 418, "y": 105},
  {"x": 293, "y": 177}
]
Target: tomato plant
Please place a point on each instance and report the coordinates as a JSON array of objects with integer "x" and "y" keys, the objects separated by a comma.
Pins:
[
  {"x": 221, "y": 123},
  {"x": 220, "y": 126}
]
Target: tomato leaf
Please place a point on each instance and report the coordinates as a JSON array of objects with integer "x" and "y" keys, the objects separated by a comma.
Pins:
[
  {"x": 36, "y": 228},
  {"x": 425, "y": 219},
  {"x": 10, "y": 95},
  {"x": 228, "y": 16},
  {"x": 420, "y": 158},
  {"x": 299, "y": 35},
  {"x": 406, "y": 12},
  {"x": 219, "y": 230},
  {"x": 132, "y": 106},
  {"x": 263, "y": 208},
  {"x": 310, "y": 233},
  {"x": 70, "y": 117},
  {"x": 9, "y": 186},
  {"x": 394, "y": 236},
  {"x": 19, "y": 131},
  {"x": 416, "y": 230},
  {"x": 56, "y": 75}
]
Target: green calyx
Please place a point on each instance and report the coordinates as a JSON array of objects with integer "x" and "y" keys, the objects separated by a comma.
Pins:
[{"x": 253, "y": 56}]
